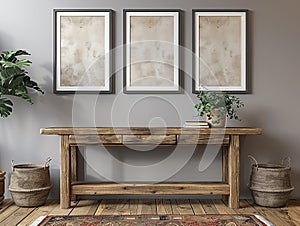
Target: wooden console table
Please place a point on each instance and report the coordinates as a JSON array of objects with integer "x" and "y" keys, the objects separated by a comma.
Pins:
[{"x": 71, "y": 138}]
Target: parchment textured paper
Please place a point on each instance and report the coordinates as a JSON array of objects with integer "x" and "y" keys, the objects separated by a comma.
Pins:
[
  {"x": 82, "y": 51},
  {"x": 220, "y": 51},
  {"x": 152, "y": 51}
]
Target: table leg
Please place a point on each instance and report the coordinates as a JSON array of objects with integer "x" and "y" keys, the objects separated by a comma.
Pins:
[
  {"x": 225, "y": 169},
  {"x": 234, "y": 171},
  {"x": 74, "y": 150},
  {"x": 65, "y": 182}
]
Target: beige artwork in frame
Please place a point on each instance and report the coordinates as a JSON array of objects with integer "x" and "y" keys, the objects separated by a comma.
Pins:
[
  {"x": 82, "y": 51},
  {"x": 151, "y": 51},
  {"x": 220, "y": 50}
]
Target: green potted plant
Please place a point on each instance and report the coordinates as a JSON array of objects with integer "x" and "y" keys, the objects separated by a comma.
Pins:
[
  {"x": 14, "y": 81},
  {"x": 216, "y": 106}
]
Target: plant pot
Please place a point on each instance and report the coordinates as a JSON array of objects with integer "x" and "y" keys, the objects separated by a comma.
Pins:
[
  {"x": 218, "y": 119},
  {"x": 2, "y": 185}
]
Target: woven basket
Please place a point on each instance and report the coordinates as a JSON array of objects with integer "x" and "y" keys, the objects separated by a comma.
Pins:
[
  {"x": 270, "y": 184},
  {"x": 2, "y": 185},
  {"x": 30, "y": 184}
]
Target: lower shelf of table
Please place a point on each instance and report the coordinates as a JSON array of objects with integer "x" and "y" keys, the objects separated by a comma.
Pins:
[{"x": 171, "y": 188}]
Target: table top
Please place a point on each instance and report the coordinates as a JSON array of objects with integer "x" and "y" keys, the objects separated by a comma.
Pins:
[{"x": 149, "y": 131}]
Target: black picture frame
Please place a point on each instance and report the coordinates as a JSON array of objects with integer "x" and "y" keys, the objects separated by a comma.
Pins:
[
  {"x": 107, "y": 14},
  {"x": 128, "y": 88},
  {"x": 244, "y": 64}
]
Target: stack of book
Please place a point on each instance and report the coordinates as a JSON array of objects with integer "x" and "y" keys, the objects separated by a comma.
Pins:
[{"x": 196, "y": 124}]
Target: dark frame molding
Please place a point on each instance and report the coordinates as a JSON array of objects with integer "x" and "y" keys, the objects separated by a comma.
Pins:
[
  {"x": 111, "y": 45},
  {"x": 246, "y": 11},
  {"x": 179, "y": 11}
]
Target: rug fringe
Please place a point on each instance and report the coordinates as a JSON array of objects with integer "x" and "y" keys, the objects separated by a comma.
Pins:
[
  {"x": 38, "y": 220},
  {"x": 264, "y": 220}
]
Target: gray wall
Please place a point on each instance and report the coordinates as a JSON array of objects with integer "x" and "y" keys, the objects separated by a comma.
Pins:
[{"x": 272, "y": 103}]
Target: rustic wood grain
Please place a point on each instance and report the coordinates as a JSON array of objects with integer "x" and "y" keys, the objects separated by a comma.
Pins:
[
  {"x": 163, "y": 206},
  {"x": 74, "y": 150},
  {"x": 181, "y": 206},
  {"x": 123, "y": 207},
  {"x": 57, "y": 210},
  {"x": 101, "y": 207},
  {"x": 149, "y": 131},
  {"x": 147, "y": 206},
  {"x": 95, "y": 139},
  {"x": 5, "y": 204},
  {"x": 203, "y": 139},
  {"x": 11, "y": 214},
  {"x": 8, "y": 212},
  {"x": 246, "y": 207},
  {"x": 234, "y": 171},
  {"x": 65, "y": 174},
  {"x": 146, "y": 136},
  {"x": 272, "y": 215},
  {"x": 134, "y": 205},
  {"x": 40, "y": 211},
  {"x": 208, "y": 206},
  {"x": 215, "y": 188},
  {"x": 222, "y": 208},
  {"x": 225, "y": 169},
  {"x": 85, "y": 207},
  {"x": 197, "y": 206},
  {"x": 110, "y": 206},
  {"x": 152, "y": 139},
  {"x": 17, "y": 216}
]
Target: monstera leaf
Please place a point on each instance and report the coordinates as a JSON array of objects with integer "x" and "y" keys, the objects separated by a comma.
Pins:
[
  {"x": 14, "y": 80},
  {"x": 5, "y": 107}
]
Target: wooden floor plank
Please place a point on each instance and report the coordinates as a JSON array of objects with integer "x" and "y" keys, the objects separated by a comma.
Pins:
[
  {"x": 222, "y": 208},
  {"x": 5, "y": 204},
  {"x": 60, "y": 212},
  {"x": 292, "y": 212},
  {"x": 293, "y": 204},
  {"x": 164, "y": 206},
  {"x": 293, "y": 216},
  {"x": 101, "y": 207},
  {"x": 196, "y": 206},
  {"x": 17, "y": 216},
  {"x": 123, "y": 207},
  {"x": 133, "y": 205},
  {"x": 10, "y": 214},
  {"x": 246, "y": 208},
  {"x": 209, "y": 206},
  {"x": 147, "y": 206},
  {"x": 40, "y": 211},
  {"x": 269, "y": 214},
  {"x": 110, "y": 206},
  {"x": 181, "y": 206},
  {"x": 85, "y": 207},
  {"x": 114, "y": 207}
]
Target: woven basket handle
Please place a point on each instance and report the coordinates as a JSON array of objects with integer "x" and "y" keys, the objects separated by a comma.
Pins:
[
  {"x": 12, "y": 165},
  {"x": 253, "y": 160},
  {"x": 286, "y": 160},
  {"x": 47, "y": 162}
]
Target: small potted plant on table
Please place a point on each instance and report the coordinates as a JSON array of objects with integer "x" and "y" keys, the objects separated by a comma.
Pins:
[
  {"x": 216, "y": 106},
  {"x": 14, "y": 81}
]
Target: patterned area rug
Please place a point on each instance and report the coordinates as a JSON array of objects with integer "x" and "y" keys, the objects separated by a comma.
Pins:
[{"x": 145, "y": 220}]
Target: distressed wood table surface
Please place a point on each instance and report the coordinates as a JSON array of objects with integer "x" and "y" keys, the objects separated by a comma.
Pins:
[{"x": 72, "y": 137}]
